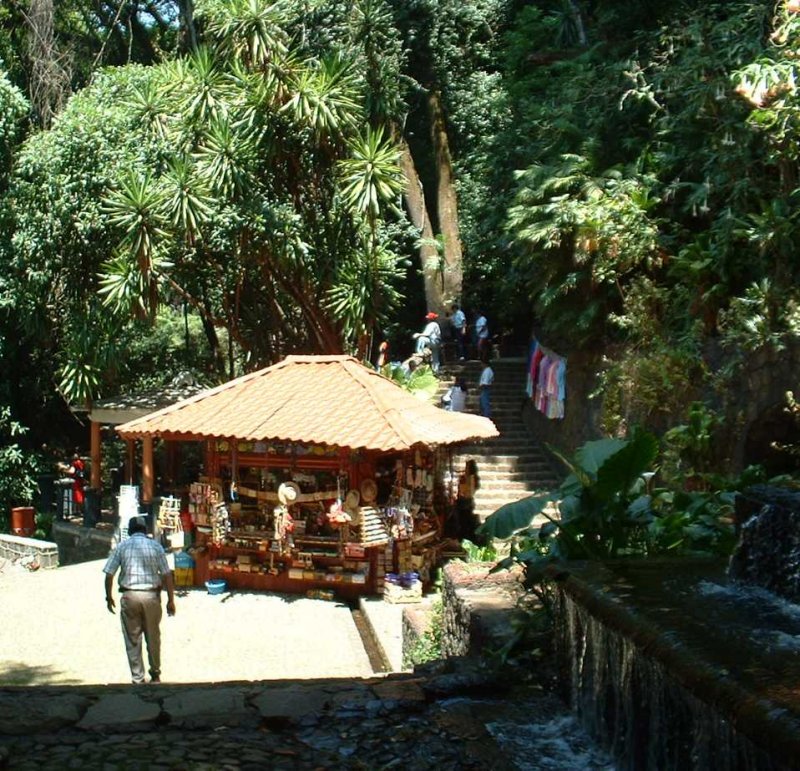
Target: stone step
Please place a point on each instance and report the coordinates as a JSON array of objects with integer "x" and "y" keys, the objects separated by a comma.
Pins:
[
  {"x": 501, "y": 471},
  {"x": 505, "y": 485},
  {"x": 505, "y": 471},
  {"x": 517, "y": 461},
  {"x": 515, "y": 445},
  {"x": 511, "y": 466},
  {"x": 485, "y": 497}
]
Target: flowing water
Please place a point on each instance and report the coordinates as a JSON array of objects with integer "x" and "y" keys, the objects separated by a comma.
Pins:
[{"x": 673, "y": 667}]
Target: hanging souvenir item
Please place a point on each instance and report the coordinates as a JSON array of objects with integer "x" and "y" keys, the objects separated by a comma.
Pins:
[
  {"x": 546, "y": 383},
  {"x": 220, "y": 523}
]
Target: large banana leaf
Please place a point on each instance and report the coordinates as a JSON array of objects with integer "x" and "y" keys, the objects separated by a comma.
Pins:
[
  {"x": 593, "y": 455},
  {"x": 515, "y": 516},
  {"x": 618, "y": 472}
]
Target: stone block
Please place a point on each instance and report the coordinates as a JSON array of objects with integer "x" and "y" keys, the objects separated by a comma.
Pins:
[
  {"x": 292, "y": 702},
  {"x": 207, "y": 708},
  {"x": 40, "y": 714},
  {"x": 120, "y": 713}
]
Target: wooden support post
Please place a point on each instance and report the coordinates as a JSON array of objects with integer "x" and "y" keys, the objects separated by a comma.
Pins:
[
  {"x": 130, "y": 460},
  {"x": 148, "y": 470},
  {"x": 233, "y": 443},
  {"x": 94, "y": 477}
]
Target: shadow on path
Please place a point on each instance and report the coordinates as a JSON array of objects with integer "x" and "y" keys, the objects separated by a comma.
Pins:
[{"x": 18, "y": 673}]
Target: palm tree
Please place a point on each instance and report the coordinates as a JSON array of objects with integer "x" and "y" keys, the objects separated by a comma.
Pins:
[{"x": 268, "y": 213}]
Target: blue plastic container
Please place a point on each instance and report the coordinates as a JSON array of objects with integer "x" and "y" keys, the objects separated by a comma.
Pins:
[
  {"x": 183, "y": 560},
  {"x": 216, "y": 586}
]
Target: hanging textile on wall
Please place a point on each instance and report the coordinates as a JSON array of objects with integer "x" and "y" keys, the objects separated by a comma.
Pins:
[{"x": 547, "y": 380}]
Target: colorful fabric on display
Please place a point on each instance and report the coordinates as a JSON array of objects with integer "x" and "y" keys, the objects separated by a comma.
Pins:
[{"x": 547, "y": 381}]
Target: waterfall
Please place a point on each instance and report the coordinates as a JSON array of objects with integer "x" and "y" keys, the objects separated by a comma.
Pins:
[{"x": 630, "y": 701}]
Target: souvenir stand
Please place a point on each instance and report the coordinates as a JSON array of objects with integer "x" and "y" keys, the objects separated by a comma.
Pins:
[{"x": 328, "y": 501}]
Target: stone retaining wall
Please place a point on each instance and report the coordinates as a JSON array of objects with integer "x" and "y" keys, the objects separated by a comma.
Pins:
[
  {"x": 15, "y": 547},
  {"x": 478, "y": 606},
  {"x": 81, "y": 544}
]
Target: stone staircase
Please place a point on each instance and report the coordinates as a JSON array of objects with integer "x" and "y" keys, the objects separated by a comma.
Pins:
[{"x": 513, "y": 465}]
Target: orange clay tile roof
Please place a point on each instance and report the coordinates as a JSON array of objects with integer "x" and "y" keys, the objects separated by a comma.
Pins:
[{"x": 330, "y": 400}]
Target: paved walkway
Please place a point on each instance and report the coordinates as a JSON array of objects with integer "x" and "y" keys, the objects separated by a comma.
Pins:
[
  {"x": 309, "y": 700},
  {"x": 56, "y": 630}
]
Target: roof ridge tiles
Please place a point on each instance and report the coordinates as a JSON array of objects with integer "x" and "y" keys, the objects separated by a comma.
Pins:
[
  {"x": 389, "y": 411},
  {"x": 313, "y": 400}
]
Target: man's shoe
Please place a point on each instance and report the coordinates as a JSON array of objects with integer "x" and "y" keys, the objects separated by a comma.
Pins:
[{"x": 155, "y": 679}]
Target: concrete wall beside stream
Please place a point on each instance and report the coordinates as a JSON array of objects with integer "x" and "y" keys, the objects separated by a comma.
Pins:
[{"x": 81, "y": 544}]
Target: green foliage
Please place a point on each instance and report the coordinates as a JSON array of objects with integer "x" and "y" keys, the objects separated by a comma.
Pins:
[
  {"x": 580, "y": 238},
  {"x": 61, "y": 234},
  {"x": 237, "y": 180},
  {"x": 598, "y": 503},
  {"x": 649, "y": 385},
  {"x": 44, "y": 526},
  {"x": 18, "y": 467},
  {"x": 689, "y": 448},
  {"x": 792, "y": 410},
  {"x": 694, "y": 521},
  {"x": 422, "y": 382},
  {"x": 13, "y": 108},
  {"x": 606, "y": 508},
  {"x": 477, "y": 553},
  {"x": 428, "y": 647},
  {"x": 636, "y": 188}
]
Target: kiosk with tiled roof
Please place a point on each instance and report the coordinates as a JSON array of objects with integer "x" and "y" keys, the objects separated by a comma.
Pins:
[{"x": 339, "y": 433}]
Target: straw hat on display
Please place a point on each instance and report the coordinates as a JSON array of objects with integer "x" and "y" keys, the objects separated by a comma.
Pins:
[
  {"x": 288, "y": 493},
  {"x": 369, "y": 491}
]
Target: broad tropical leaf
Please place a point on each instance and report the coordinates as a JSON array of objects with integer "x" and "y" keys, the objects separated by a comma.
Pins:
[
  {"x": 592, "y": 455},
  {"x": 619, "y": 471},
  {"x": 513, "y": 517}
]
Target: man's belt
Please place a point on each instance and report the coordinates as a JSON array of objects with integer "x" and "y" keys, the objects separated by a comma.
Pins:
[{"x": 128, "y": 589}]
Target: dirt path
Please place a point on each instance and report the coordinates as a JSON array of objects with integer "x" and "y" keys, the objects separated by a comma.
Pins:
[{"x": 56, "y": 629}]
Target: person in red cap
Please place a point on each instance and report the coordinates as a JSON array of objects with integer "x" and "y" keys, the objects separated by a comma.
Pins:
[{"x": 431, "y": 338}]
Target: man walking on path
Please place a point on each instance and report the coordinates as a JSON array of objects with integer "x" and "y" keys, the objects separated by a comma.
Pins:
[
  {"x": 144, "y": 571},
  {"x": 485, "y": 385}
]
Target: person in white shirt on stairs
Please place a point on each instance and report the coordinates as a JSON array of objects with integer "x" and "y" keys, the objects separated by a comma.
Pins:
[
  {"x": 456, "y": 398},
  {"x": 459, "y": 322},
  {"x": 485, "y": 384},
  {"x": 430, "y": 338}
]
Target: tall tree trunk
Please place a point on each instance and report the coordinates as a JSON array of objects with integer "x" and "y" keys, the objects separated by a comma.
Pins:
[
  {"x": 580, "y": 28},
  {"x": 50, "y": 71},
  {"x": 188, "y": 35},
  {"x": 452, "y": 273},
  {"x": 418, "y": 212}
]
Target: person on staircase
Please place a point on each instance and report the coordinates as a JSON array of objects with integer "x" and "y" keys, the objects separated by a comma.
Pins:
[
  {"x": 430, "y": 338},
  {"x": 482, "y": 336},
  {"x": 456, "y": 398},
  {"x": 485, "y": 385},
  {"x": 459, "y": 322},
  {"x": 465, "y": 521}
]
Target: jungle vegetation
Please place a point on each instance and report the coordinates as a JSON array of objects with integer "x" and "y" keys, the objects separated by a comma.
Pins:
[{"x": 212, "y": 184}]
